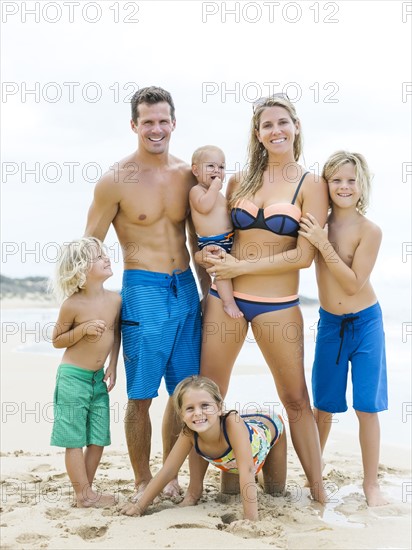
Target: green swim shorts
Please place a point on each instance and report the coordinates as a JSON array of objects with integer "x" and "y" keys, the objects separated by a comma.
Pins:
[{"x": 81, "y": 408}]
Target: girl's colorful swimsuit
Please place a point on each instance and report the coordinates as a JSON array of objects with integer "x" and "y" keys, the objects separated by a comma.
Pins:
[{"x": 260, "y": 440}]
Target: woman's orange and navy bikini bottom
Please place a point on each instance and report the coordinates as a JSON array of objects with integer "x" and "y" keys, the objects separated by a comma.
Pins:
[{"x": 251, "y": 306}]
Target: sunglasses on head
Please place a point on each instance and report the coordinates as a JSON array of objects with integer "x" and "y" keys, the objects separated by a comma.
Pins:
[{"x": 262, "y": 100}]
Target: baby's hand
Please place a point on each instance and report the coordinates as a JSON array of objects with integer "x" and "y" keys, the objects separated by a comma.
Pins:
[
  {"x": 94, "y": 328},
  {"x": 218, "y": 182}
]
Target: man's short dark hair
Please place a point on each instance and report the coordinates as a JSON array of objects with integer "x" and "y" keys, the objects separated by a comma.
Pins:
[{"x": 151, "y": 95}]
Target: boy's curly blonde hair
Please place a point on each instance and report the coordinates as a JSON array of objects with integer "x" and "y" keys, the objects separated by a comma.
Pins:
[{"x": 73, "y": 265}]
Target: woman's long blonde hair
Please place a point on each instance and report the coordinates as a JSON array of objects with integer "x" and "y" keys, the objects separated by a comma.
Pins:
[{"x": 257, "y": 154}]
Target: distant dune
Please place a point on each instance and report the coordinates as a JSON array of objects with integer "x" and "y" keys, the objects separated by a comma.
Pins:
[{"x": 23, "y": 288}]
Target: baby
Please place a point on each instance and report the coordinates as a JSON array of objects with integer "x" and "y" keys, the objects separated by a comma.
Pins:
[{"x": 210, "y": 214}]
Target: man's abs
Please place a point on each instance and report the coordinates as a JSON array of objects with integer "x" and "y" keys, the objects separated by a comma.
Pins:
[{"x": 159, "y": 249}]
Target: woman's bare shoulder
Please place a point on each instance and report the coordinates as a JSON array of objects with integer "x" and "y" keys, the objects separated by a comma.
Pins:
[{"x": 234, "y": 183}]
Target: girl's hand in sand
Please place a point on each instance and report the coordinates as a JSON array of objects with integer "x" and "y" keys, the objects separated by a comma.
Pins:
[
  {"x": 131, "y": 509},
  {"x": 313, "y": 232}
]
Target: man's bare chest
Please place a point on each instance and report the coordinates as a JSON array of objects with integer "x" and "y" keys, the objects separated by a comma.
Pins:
[{"x": 145, "y": 205}]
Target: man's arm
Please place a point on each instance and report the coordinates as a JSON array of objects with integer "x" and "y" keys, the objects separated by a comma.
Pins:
[
  {"x": 104, "y": 207},
  {"x": 202, "y": 275}
]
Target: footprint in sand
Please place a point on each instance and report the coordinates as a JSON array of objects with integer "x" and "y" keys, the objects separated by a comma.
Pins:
[
  {"x": 25, "y": 478},
  {"x": 55, "y": 477},
  {"x": 352, "y": 503},
  {"x": 229, "y": 518},
  {"x": 224, "y": 498},
  {"x": 31, "y": 538},
  {"x": 160, "y": 506},
  {"x": 90, "y": 532},
  {"x": 188, "y": 526},
  {"x": 391, "y": 509},
  {"x": 338, "y": 477},
  {"x": 254, "y": 529},
  {"x": 55, "y": 513},
  {"x": 42, "y": 468}
]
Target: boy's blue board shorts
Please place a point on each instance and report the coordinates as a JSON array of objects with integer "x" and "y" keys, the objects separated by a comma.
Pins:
[{"x": 357, "y": 338}]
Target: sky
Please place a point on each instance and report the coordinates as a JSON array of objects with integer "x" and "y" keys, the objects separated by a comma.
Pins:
[{"x": 69, "y": 68}]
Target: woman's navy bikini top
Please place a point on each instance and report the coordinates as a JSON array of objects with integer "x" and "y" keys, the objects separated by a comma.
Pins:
[{"x": 282, "y": 218}]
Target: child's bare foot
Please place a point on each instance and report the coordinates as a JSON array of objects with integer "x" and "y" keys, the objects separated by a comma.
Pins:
[
  {"x": 189, "y": 500},
  {"x": 172, "y": 489},
  {"x": 373, "y": 495},
  {"x": 95, "y": 500},
  {"x": 232, "y": 310},
  {"x": 193, "y": 494}
]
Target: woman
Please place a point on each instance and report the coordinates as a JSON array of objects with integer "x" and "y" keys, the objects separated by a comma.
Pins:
[{"x": 266, "y": 202}]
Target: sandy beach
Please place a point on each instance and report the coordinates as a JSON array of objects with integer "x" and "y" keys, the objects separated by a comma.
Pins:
[{"x": 36, "y": 494}]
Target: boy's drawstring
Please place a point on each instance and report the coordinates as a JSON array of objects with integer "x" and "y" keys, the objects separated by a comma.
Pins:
[{"x": 345, "y": 322}]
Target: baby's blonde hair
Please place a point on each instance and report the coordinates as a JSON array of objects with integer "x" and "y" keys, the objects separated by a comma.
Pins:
[
  {"x": 195, "y": 383},
  {"x": 73, "y": 265},
  {"x": 363, "y": 175},
  {"x": 197, "y": 154}
]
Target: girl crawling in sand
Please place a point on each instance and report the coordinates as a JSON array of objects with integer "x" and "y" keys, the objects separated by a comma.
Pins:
[{"x": 243, "y": 444}]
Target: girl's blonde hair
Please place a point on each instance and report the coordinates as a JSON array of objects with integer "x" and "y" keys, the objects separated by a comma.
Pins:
[
  {"x": 195, "y": 383},
  {"x": 363, "y": 175},
  {"x": 257, "y": 154},
  {"x": 73, "y": 265}
]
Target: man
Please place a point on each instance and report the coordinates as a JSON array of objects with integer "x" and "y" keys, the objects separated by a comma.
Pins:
[{"x": 146, "y": 198}]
